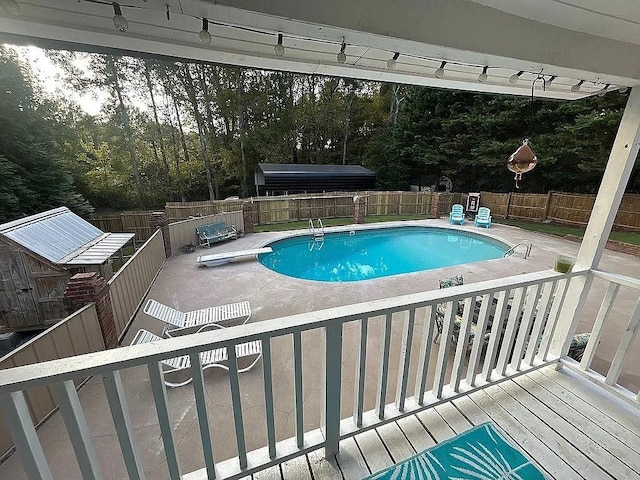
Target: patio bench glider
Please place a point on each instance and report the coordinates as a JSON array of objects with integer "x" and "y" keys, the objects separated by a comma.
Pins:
[
  {"x": 457, "y": 214},
  {"x": 215, "y": 232},
  {"x": 216, "y": 358},
  {"x": 190, "y": 322},
  {"x": 222, "y": 258},
  {"x": 483, "y": 218}
]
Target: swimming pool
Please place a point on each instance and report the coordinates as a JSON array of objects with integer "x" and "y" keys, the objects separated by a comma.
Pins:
[{"x": 373, "y": 253}]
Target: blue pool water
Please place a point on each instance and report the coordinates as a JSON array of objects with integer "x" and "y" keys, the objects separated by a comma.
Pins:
[{"x": 365, "y": 254}]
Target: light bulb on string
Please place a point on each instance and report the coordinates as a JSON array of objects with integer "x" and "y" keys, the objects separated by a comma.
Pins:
[
  {"x": 342, "y": 57},
  {"x": 623, "y": 89},
  {"x": 604, "y": 90},
  {"x": 576, "y": 87},
  {"x": 11, "y": 7},
  {"x": 483, "y": 76},
  {"x": 551, "y": 79},
  {"x": 391, "y": 64},
  {"x": 205, "y": 36},
  {"x": 515, "y": 77},
  {"x": 279, "y": 48},
  {"x": 440, "y": 71},
  {"x": 118, "y": 19}
]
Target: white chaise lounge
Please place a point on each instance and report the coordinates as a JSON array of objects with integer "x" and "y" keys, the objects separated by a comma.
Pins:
[
  {"x": 210, "y": 359},
  {"x": 177, "y": 322}
]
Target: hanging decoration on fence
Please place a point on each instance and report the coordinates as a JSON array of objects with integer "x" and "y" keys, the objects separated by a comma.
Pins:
[{"x": 523, "y": 160}]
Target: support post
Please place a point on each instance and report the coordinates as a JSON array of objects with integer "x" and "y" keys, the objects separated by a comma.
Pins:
[
  {"x": 435, "y": 205},
  {"x": 547, "y": 205},
  {"x": 614, "y": 182},
  {"x": 160, "y": 220},
  {"x": 360, "y": 204},
  {"x": 247, "y": 216}
]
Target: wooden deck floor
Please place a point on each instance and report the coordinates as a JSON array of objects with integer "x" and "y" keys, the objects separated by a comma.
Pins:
[{"x": 566, "y": 425}]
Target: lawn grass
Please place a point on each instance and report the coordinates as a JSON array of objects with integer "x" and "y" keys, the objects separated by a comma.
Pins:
[
  {"x": 562, "y": 230},
  {"x": 335, "y": 222}
]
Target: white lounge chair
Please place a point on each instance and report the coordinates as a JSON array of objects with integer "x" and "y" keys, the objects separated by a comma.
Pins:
[
  {"x": 209, "y": 359},
  {"x": 190, "y": 322}
]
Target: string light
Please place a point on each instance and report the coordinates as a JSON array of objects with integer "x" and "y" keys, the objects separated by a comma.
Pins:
[
  {"x": 205, "y": 36},
  {"x": 391, "y": 64},
  {"x": 515, "y": 77},
  {"x": 483, "y": 76},
  {"x": 342, "y": 57},
  {"x": 279, "y": 48},
  {"x": 553, "y": 77},
  {"x": 11, "y": 7},
  {"x": 118, "y": 20},
  {"x": 440, "y": 71},
  {"x": 604, "y": 90},
  {"x": 623, "y": 89},
  {"x": 576, "y": 87}
]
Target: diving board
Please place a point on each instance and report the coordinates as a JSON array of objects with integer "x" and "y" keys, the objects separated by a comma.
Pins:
[{"x": 221, "y": 258}]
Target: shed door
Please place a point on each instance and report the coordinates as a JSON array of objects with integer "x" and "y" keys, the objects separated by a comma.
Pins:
[{"x": 18, "y": 307}]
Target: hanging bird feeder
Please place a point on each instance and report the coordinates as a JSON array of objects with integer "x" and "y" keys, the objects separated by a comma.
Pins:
[{"x": 521, "y": 161}]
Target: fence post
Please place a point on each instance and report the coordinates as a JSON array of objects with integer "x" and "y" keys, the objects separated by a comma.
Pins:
[
  {"x": 160, "y": 220},
  {"x": 359, "y": 209},
  {"x": 435, "y": 204},
  {"x": 547, "y": 205},
  {"x": 84, "y": 288},
  {"x": 506, "y": 210},
  {"x": 247, "y": 217}
]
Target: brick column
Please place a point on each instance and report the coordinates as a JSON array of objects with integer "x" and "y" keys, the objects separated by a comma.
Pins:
[
  {"x": 84, "y": 288},
  {"x": 360, "y": 204},
  {"x": 159, "y": 220},
  {"x": 435, "y": 205},
  {"x": 247, "y": 216}
]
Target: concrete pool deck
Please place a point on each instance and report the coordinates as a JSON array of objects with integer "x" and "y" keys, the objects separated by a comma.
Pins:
[{"x": 183, "y": 285}]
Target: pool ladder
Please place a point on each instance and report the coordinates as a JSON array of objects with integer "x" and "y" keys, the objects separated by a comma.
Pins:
[
  {"x": 317, "y": 234},
  {"x": 527, "y": 252}
]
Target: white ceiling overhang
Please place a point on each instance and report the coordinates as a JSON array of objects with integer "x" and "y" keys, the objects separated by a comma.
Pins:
[{"x": 570, "y": 39}]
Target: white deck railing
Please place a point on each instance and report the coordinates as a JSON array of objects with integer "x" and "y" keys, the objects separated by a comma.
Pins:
[
  {"x": 609, "y": 380},
  {"x": 518, "y": 314}
]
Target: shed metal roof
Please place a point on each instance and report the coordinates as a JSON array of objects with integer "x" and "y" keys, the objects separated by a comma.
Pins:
[
  {"x": 62, "y": 237},
  {"x": 314, "y": 170}
]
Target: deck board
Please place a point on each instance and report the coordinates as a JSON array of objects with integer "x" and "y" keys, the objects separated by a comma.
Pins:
[{"x": 568, "y": 428}]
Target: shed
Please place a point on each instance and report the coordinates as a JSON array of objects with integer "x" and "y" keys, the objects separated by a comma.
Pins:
[
  {"x": 38, "y": 256},
  {"x": 284, "y": 178}
]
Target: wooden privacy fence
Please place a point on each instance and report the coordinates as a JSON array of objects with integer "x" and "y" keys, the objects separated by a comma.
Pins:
[
  {"x": 130, "y": 222},
  {"x": 77, "y": 334},
  {"x": 128, "y": 287},
  {"x": 560, "y": 207},
  {"x": 184, "y": 232}
]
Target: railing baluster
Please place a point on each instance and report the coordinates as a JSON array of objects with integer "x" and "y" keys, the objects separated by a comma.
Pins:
[
  {"x": 297, "y": 378},
  {"x": 510, "y": 333},
  {"x": 540, "y": 322},
  {"x": 268, "y": 396},
  {"x": 627, "y": 340},
  {"x": 495, "y": 337},
  {"x": 203, "y": 417},
  {"x": 122, "y": 422},
  {"x": 361, "y": 360},
  {"x": 463, "y": 341},
  {"x": 160, "y": 398},
  {"x": 478, "y": 341},
  {"x": 69, "y": 403},
  {"x": 383, "y": 377},
  {"x": 18, "y": 419},
  {"x": 558, "y": 300},
  {"x": 425, "y": 353},
  {"x": 443, "y": 352},
  {"x": 596, "y": 331},
  {"x": 332, "y": 388},
  {"x": 405, "y": 358},
  {"x": 524, "y": 330},
  {"x": 236, "y": 401}
]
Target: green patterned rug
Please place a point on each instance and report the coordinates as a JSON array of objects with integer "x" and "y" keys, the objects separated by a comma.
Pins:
[{"x": 481, "y": 453}]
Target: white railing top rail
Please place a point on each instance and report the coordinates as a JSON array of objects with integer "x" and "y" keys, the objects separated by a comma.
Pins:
[
  {"x": 30, "y": 376},
  {"x": 617, "y": 278}
]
